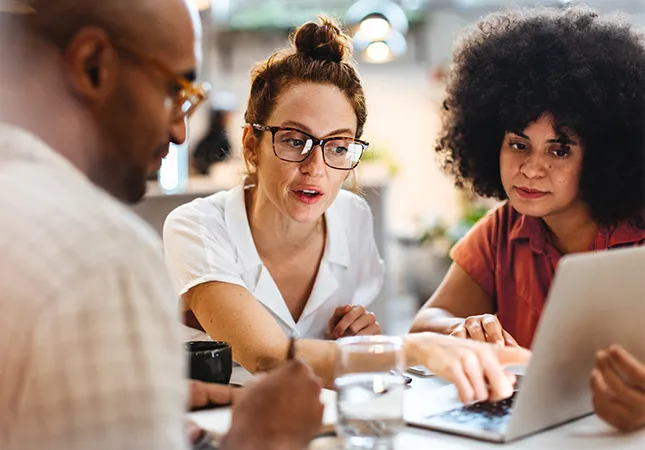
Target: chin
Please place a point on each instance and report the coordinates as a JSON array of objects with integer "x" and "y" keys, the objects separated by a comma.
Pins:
[
  {"x": 530, "y": 208},
  {"x": 305, "y": 214},
  {"x": 135, "y": 186}
]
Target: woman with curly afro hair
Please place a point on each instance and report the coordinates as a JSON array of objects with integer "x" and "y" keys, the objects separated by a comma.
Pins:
[{"x": 545, "y": 109}]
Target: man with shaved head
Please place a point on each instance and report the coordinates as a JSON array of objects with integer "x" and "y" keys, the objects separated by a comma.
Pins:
[
  {"x": 91, "y": 94},
  {"x": 121, "y": 66}
]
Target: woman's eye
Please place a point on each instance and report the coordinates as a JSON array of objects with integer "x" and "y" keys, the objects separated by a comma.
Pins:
[
  {"x": 562, "y": 151},
  {"x": 518, "y": 146},
  {"x": 295, "y": 142}
]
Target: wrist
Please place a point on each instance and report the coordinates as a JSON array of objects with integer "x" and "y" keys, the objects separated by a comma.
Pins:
[{"x": 411, "y": 349}]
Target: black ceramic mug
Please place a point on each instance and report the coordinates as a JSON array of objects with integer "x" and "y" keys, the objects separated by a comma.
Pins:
[{"x": 210, "y": 361}]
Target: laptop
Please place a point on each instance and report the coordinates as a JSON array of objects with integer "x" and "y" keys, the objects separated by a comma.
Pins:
[{"x": 596, "y": 299}]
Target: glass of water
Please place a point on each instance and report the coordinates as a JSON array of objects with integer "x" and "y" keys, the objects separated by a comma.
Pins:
[{"x": 370, "y": 385}]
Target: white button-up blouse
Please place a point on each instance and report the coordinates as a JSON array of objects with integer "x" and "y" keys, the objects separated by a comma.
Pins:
[{"x": 209, "y": 239}]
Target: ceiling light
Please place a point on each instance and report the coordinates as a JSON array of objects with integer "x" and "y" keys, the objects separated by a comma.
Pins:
[
  {"x": 378, "y": 52},
  {"x": 385, "y": 9},
  {"x": 379, "y": 28},
  {"x": 392, "y": 46},
  {"x": 375, "y": 27}
]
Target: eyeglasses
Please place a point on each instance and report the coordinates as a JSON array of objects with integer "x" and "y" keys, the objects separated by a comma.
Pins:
[
  {"x": 293, "y": 145},
  {"x": 190, "y": 95}
]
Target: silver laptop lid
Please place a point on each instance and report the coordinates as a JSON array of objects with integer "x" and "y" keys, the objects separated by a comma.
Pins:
[{"x": 596, "y": 299}]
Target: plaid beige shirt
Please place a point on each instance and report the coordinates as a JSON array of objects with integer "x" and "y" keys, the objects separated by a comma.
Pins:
[{"x": 89, "y": 354}]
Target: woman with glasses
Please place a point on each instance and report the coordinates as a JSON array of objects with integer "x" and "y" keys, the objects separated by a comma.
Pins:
[
  {"x": 289, "y": 253},
  {"x": 297, "y": 244}
]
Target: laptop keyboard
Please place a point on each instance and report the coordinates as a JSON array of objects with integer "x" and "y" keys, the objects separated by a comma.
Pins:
[{"x": 489, "y": 416}]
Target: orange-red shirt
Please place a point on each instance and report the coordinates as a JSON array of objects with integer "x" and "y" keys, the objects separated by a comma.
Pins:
[{"x": 509, "y": 256}]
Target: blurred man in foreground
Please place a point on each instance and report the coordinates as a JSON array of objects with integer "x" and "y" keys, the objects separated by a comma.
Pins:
[{"x": 91, "y": 94}]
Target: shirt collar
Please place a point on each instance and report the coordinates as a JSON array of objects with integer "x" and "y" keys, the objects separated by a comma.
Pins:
[
  {"x": 624, "y": 233},
  {"x": 237, "y": 222},
  {"x": 532, "y": 229},
  {"x": 239, "y": 228},
  {"x": 336, "y": 253},
  {"x": 19, "y": 144},
  {"x": 337, "y": 247}
]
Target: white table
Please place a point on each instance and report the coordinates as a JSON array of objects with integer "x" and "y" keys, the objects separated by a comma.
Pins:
[{"x": 586, "y": 433}]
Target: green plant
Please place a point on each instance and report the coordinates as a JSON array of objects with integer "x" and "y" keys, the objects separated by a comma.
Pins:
[{"x": 444, "y": 236}]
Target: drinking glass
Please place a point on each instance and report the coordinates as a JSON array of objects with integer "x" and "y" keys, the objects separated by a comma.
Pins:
[{"x": 370, "y": 385}]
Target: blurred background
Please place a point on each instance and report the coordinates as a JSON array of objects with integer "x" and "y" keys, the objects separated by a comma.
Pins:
[{"x": 403, "y": 48}]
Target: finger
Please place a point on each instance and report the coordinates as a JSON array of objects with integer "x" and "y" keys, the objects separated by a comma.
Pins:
[
  {"x": 455, "y": 374},
  {"x": 614, "y": 414},
  {"x": 509, "y": 340},
  {"x": 622, "y": 391},
  {"x": 362, "y": 322},
  {"x": 339, "y": 312},
  {"x": 460, "y": 332},
  {"x": 195, "y": 433},
  {"x": 606, "y": 406},
  {"x": 475, "y": 330},
  {"x": 512, "y": 378},
  {"x": 630, "y": 367},
  {"x": 347, "y": 320},
  {"x": 202, "y": 394},
  {"x": 493, "y": 329},
  {"x": 371, "y": 330},
  {"x": 499, "y": 383},
  {"x": 236, "y": 394},
  {"x": 513, "y": 356},
  {"x": 598, "y": 386},
  {"x": 475, "y": 373}
]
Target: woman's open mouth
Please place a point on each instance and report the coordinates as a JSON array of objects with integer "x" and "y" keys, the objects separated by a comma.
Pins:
[{"x": 308, "y": 196}]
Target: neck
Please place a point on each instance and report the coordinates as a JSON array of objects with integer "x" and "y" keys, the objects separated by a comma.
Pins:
[
  {"x": 572, "y": 231},
  {"x": 273, "y": 232}
]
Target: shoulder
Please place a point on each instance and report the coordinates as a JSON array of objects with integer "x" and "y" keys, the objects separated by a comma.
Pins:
[
  {"x": 200, "y": 215},
  {"x": 76, "y": 231},
  {"x": 490, "y": 234},
  {"x": 351, "y": 213},
  {"x": 498, "y": 223},
  {"x": 626, "y": 233},
  {"x": 353, "y": 207},
  {"x": 503, "y": 216}
]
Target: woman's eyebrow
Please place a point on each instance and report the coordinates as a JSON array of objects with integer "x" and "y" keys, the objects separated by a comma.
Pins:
[
  {"x": 520, "y": 134},
  {"x": 562, "y": 140}
]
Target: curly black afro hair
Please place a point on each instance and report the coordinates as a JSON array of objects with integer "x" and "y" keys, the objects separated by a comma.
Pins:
[{"x": 587, "y": 71}]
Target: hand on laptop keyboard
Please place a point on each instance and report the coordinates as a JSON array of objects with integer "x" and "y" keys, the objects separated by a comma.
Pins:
[{"x": 491, "y": 416}]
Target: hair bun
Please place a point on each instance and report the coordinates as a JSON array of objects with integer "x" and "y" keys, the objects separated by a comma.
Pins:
[{"x": 324, "y": 40}]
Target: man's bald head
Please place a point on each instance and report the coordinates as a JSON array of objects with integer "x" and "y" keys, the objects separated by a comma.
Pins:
[
  {"x": 152, "y": 23},
  {"x": 102, "y": 80}
]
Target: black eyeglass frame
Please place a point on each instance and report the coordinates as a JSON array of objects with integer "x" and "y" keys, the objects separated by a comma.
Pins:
[{"x": 316, "y": 142}]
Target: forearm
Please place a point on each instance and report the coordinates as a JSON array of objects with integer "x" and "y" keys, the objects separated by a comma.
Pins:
[
  {"x": 437, "y": 320},
  {"x": 318, "y": 354}
]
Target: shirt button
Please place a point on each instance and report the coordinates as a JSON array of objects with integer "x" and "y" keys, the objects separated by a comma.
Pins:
[{"x": 296, "y": 334}]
